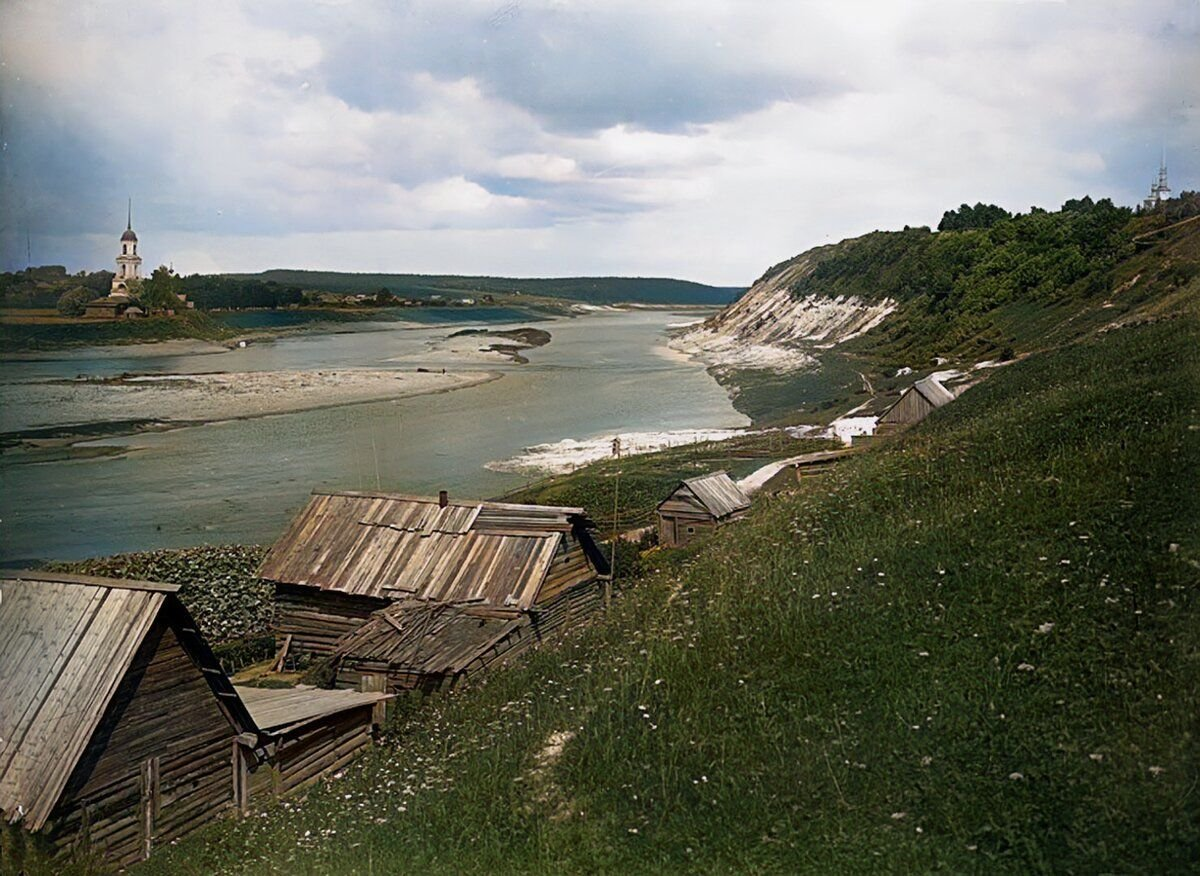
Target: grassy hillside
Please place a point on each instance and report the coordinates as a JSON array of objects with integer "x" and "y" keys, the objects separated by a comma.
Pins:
[
  {"x": 54, "y": 334},
  {"x": 974, "y": 648},
  {"x": 593, "y": 290}
]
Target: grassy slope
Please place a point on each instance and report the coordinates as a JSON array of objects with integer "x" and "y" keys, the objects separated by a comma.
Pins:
[
  {"x": 54, "y": 335},
  {"x": 851, "y": 679},
  {"x": 596, "y": 290}
]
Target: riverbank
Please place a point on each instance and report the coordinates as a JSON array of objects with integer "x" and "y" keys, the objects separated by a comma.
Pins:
[{"x": 169, "y": 400}]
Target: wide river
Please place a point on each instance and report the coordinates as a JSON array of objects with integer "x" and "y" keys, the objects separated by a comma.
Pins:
[{"x": 241, "y": 480}]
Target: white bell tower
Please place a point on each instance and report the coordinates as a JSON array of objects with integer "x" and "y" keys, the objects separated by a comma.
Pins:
[{"x": 129, "y": 263}]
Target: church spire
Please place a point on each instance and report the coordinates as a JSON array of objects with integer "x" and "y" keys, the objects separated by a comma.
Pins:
[{"x": 129, "y": 217}]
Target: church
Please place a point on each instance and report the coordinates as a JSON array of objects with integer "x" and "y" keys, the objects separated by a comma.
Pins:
[{"x": 119, "y": 303}]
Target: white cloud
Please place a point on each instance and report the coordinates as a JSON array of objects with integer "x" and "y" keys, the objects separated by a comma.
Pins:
[{"x": 705, "y": 141}]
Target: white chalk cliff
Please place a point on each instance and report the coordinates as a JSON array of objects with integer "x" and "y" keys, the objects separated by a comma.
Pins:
[{"x": 770, "y": 328}]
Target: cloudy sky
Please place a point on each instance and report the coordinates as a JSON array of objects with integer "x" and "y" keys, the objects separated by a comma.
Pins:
[{"x": 705, "y": 140}]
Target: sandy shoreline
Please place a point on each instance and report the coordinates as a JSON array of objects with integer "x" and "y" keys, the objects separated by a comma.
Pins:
[{"x": 195, "y": 398}]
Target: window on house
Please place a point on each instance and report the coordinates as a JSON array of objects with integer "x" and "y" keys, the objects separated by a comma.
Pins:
[{"x": 691, "y": 530}]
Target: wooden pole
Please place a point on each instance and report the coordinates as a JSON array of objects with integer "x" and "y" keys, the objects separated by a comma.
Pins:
[{"x": 612, "y": 555}]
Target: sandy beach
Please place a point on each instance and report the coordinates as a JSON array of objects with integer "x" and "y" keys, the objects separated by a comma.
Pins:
[{"x": 191, "y": 398}]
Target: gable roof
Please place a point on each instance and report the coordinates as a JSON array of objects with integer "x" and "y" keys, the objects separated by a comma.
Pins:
[
  {"x": 392, "y": 546},
  {"x": 430, "y": 638},
  {"x": 66, "y": 642},
  {"x": 933, "y": 392},
  {"x": 279, "y": 710},
  {"x": 716, "y": 493}
]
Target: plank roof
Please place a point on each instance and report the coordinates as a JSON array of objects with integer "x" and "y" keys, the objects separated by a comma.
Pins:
[
  {"x": 66, "y": 642},
  {"x": 392, "y": 546},
  {"x": 277, "y": 710},
  {"x": 430, "y": 638},
  {"x": 933, "y": 391},
  {"x": 717, "y": 493}
]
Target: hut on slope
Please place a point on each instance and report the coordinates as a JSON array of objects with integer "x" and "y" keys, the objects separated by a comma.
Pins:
[
  {"x": 349, "y": 555},
  {"x": 427, "y": 646},
  {"x": 915, "y": 404},
  {"x": 698, "y": 506},
  {"x": 118, "y": 729}
]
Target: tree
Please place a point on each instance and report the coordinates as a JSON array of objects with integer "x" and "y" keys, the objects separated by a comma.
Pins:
[
  {"x": 161, "y": 290},
  {"x": 967, "y": 217},
  {"x": 74, "y": 300}
]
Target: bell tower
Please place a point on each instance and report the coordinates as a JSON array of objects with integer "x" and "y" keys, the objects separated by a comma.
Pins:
[{"x": 129, "y": 263}]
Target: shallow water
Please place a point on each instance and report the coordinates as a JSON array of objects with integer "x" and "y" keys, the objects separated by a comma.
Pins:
[{"x": 241, "y": 481}]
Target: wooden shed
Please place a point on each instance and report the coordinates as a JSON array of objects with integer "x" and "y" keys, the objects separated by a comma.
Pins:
[
  {"x": 427, "y": 646},
  {"x": 349, "y": 555},
  {"x": 119, "y": 730},
  {"x": 915, "y": 404},
  {"x": 697, "y": 506}
]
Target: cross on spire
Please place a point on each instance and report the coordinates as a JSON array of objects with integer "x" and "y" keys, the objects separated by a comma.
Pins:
[{"x": 129, "y": 219}]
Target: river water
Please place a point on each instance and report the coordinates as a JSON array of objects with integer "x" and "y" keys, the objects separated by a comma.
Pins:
[{"x": 241, "y": 481}]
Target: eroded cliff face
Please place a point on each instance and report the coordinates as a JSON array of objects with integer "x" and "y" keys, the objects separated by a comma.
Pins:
[{"x": 770, "y": 328}]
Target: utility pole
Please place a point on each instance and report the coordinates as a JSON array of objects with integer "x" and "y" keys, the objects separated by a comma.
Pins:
[{"x": 612, "y": 555}]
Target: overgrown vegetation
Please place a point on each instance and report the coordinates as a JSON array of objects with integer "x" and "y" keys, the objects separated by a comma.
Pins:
[
  {"x": 217, "y": 584},
  {"x": 49, "y": 335},
  {"x": 971, "y": 649}
]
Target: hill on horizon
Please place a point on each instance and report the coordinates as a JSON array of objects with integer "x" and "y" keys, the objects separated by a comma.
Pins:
[{"x": 590, "y": 290}]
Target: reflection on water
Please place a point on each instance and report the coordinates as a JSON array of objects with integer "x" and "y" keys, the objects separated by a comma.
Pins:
[{"x": 240, "y": 481}]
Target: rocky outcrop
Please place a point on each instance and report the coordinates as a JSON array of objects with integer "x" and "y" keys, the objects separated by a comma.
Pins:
[{"x": 770, "y": 327}]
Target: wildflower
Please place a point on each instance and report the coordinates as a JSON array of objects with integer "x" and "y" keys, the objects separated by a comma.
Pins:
[
  {"x": 1045, "y": 628},
  {"x": 896, "y": 816},
  {"x": 1156, "y": 771},
  {"x": 1016, "y": 777},
  {"x": 1025, "y": 667},
  {"x": 1096, "y": 757}
]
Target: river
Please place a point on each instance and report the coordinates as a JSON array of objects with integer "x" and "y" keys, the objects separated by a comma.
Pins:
[{"x": 241, "y": 480}]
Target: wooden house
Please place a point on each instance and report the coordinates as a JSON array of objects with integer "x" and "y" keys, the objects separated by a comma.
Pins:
[
  {"x": 350, "y": 555},
  {"x": 118, "y": 729},
  {"x": 698, "y": 506},
  {"x": 109, "y": 307},
  {"x": 914, "y": 404}
]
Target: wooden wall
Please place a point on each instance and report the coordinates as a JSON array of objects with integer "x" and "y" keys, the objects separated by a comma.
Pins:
[
  {"x": 303, "y": 755},
  {"x": 911, "y": 408},
  {"x": 159, "y": 765},
  {"x": 316, "y": 618}
]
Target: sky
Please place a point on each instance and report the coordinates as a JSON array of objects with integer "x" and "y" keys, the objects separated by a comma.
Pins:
[{"x": 701, "y": 140}]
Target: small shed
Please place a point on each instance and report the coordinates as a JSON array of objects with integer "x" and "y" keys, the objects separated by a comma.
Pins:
[
  {"x": 698, "y": 506},
  {"x": 118, "y": 729},
  {"x": 427, "y": 646},
  {"x": 915, "y": 404},
  {"x": 348, "y": 555},
  {"x": 304, "y": 734}
]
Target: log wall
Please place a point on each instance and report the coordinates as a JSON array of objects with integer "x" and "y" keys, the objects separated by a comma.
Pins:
[
  {"x": 158, "y": 766},
  {"x": 316, "y": 618}
]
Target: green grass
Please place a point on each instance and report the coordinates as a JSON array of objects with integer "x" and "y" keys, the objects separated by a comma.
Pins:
[
  {"x": 971, "y": 649},
  {"x": 20, "y": 337},
  {"x": 647, "y": 479}
]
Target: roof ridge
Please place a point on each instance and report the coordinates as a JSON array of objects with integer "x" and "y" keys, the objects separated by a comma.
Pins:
[{"x": 35, "y": 575}]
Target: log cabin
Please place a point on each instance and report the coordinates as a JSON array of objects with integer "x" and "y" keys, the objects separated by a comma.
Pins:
[
  {"x": 915, "y": 404},
  {"x": 349, "y": 555},
  {"x": 697, "y": 506},
  {"x": 118, "y": 729}
]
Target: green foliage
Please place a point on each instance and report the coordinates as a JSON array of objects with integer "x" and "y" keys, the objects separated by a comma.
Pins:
[
  {"x": 597, "y": 290},
  {"x": 970, "y": 649},
  {"x": 73, "y": 301},
  {"x": 161, "y": 290},
  {"x": 966, "y": 216},
  {"x": 185, "y": 324},
  {"x": 948, "y": 283},
  {"x": 210, "y": 292},
  {"x": 218, "y": 584}
]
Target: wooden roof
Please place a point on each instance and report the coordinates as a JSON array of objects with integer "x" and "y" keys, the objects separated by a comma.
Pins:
[
  {"x": 391, "y": 546},
  {"x": 715, "y": 492},
  {"x": 430, "y": 638},
  {"x": 277, "y": 710},
  {"x": 933, "y": 392},
  {"x": 66, "y": 642}
]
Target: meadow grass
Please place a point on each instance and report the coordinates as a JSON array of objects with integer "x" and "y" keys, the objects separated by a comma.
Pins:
[{"x": 973, "y": 648}]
